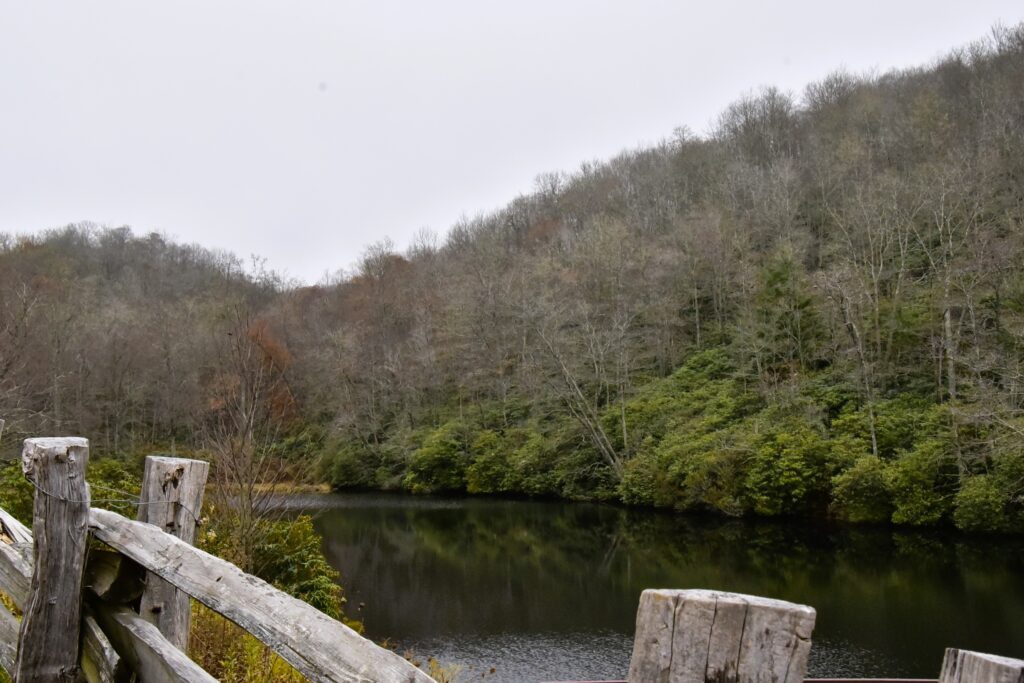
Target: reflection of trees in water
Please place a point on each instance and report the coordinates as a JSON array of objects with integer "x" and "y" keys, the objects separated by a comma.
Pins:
[{"x": 494, "y": 566}]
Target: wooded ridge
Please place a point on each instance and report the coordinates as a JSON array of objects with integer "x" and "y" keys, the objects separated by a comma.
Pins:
[{"x": 817, "y": 308}]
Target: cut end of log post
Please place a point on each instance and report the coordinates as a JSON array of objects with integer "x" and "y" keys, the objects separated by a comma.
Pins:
[
  {"x": 703, "y": 636},
  {"x": 964, "y": 666},
  {"x": 60, "y": 449}
]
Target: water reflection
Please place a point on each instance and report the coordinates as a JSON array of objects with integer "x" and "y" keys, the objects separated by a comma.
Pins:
[{"x": 547, "y": 590}]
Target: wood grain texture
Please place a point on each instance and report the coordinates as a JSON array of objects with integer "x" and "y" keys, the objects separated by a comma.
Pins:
[
  {"x": 99, "y": 660},
  {"x": 172, "y": 495},
  {"x": 701, "y": 636},
  {"x": 16, "y": 559},
  {"x": 319, "y": 647},
  {"x": 149, "y": 654},
  {"x": 964, "y": 666},
  {"x": 730, "y": 615},
  {"x": 113, "y": 578},
  {"x": 15, "y": 531},
  {"x": 49, "y": 637},
  {"x": 8, "y": 640},
  {"x": 652, "y": 646}
]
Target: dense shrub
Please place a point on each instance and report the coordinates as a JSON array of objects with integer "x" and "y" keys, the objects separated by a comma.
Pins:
[
  {"x": 980, "y": 505},
  {"x": 289, "y": 556},
  {"x": 860, "y": 494},
  {"x": 919, "y": 481},
  {"x": 491, "y": 471},
  {"x": 440, "y": 463},
  {"x": 640, "y": 477},
  {"x": 789, "y": 470},
  {"x": 351, "y": 466},
  {"x": 532, "y": 463}
]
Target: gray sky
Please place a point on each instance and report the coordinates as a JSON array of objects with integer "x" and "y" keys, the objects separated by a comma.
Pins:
[{"x": 304, "y": 130}]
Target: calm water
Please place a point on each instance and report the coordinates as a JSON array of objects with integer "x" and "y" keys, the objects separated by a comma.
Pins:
[{"x": 548, "y": 591}]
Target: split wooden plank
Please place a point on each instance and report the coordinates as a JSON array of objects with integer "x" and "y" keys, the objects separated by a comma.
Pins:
[
  {"x": 13, "y": 529},
  {"x": 319, "y": 647},
  {"x": 49, "y": 637},
  {"x": 16, "y": 559},
  {"x": 8, "y": 640},
  {"x": 694, "y": 636},
  {"x": 150, "y": 655},
  {"x": 99, "y": 661},
  {"x": 172, "y": 495},
  {"x": 15, "y": 580},
  {"x": 964, "y": 666}
]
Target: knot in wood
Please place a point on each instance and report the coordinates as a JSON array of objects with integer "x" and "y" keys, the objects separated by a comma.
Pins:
[
  {"x": 28, "y": 466},
  {"x": 172, "y": 478}
]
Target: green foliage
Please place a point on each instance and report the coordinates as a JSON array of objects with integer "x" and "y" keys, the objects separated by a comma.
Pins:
[
  {"x": 860, "y": 494},
  {"x": 899, "y": 423},
  {"x": 641, "y": 477},
  {"x": 789, "y": 471},
  {"x": 440, "y": 463},
  {"x": 305, "y": 440},
  {"x": 16, "y": 492},
  {"x": 784, "y": 330},
  {"x": 702, "y": 387},
  {"x": 709, "y": 473},
  {"x": 581, "y": 474},
  {"x": 532, "y": 460},
  {"x": 919, "y": 481},
  {"x": 981, "y": 505},
  {"x": 114, "y": 485},
  {"x": 692, "y": 441},
  {"x": 491, "y": 470},
  {"x": 352, "y": 465},
  {"x": 1008, "y": 471},
  {"x": 290, "y": 557},
  {"x": 288, "y": 553}
]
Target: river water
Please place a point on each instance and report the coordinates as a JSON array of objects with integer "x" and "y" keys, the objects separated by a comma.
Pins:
[{"x": 542, "y": 591}]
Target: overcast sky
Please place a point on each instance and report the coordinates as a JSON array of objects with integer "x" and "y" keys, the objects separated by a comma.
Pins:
[{"x": 304, "y": 130}]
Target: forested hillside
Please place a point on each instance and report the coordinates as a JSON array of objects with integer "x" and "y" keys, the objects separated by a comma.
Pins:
[{"x": 815, "y": 309}]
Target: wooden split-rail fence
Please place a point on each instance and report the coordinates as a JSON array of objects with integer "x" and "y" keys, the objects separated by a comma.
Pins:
[{"x": 113, "y": 616}]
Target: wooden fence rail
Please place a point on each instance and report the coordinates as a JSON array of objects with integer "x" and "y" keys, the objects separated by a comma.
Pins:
[
  {"x": 120, "y": 615},
  {"x": 106, "y": 616}
]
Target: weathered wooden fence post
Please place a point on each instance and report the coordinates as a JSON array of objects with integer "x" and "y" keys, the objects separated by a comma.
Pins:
[
  {"x": 964, "y": 666},
  {"x": 49, "y": 637},
  {"x": 693, "y": 636},
  {"x": 172, "y": 495}
]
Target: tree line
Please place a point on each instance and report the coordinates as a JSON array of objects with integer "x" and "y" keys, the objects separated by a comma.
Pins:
[{"x": 817, "y": 308}]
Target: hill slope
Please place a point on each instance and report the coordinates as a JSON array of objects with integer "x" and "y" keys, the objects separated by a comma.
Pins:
[{"x": 817, "y": 309}]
